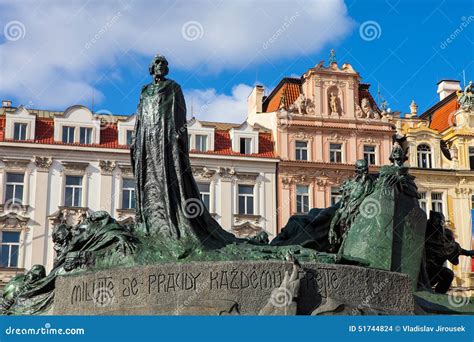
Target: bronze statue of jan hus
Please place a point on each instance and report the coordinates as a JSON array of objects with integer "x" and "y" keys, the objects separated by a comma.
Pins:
[
  {"x": 440, "y": 247},
  {"x": 167, "y": 197}
]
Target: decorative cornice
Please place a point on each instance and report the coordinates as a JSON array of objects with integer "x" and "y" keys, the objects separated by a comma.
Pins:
[
  {"x": 227, "y": 173},
  {"x": 107, "y": 166},
  {"x": 74, "y": 166},
  {"x": 13, "y": 221},
  {"x": 126, "y": 169},
  {"x": 43, "y": 163},
  {"x": 203, "y": 172},
  {"x": 14, "y": 163}
]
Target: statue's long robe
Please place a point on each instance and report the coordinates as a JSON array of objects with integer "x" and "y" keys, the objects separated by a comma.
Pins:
[{"x": 167, "y": 196}]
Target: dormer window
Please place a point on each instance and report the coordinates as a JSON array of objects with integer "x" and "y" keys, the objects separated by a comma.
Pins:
[
  {"x": 19, "y": 131},
  {"x": 245, "y": 145},
  {"x": 68, "y": 135},
  {"x": 20, "y": 125},
  {"x": 201, "y": 142},
  {"x": 77, "y": 125},
  {"x": 244, "y": 138},
  {"x": 85, "y": 136}
]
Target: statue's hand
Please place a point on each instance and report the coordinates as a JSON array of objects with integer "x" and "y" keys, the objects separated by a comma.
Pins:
[{"x": 333, "y": 240}]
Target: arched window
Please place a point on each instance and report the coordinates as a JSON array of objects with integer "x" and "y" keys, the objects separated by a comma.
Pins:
[{"x": 424, "y": 156}]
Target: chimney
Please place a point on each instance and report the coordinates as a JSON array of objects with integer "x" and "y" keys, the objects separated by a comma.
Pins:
[
  {"x": 255, "y": 99},
  {"x": 447, "y": 87},
  {"x": 6, "y": 103}
]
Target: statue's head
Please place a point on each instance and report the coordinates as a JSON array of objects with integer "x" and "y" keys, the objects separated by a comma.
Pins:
[
  {"x": 397, "y": 156},
  {"x": 437, "y": 219},
  {"x": 36, "y": 273},
  {"x": 361, "y": 167},
  {"x": 61, "y": 234},
  {"x": 158, "y": 67}
]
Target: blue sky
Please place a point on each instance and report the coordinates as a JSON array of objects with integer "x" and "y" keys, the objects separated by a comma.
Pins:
[{"x": 53, "y": 55}]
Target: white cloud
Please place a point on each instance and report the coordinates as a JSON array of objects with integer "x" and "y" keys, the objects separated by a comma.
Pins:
[
  {"x": 211, "y": 106},
  {"x": 65, "y": 46}
]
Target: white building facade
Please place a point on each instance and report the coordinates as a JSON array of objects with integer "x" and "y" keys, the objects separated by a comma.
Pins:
[{"x": 58, "y": 166}]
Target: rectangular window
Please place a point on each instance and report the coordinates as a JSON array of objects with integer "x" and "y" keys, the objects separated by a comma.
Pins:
[
  {"x": 302, "y": 199},
  {"x": 335, "y": 195},
  {"x": 19, "y": 131},
  {"x": 471, "y": 158},
  {"x": 201, "y": 142},
  {"x": 68, "y": 135},
  {"x": 128, "y": 193},
  {"x": 301, "y": 152},
  {"x": 422, "y": 201},
  {"x": 85, "y": 136},
  {"x": 9, "y": 249},
  {"x": 14, "y": 188},
  {"x": 129, "y": 137},
  {"x": 73, "y": 191},
  {"x": 245, "y": 145},
  {"x": 369, "y": 154},
  {"x": 437, "y": 201},
  {"x": 205, "y": 190},
  {"x": 335, "y": 153},
  {"x": 246, "y": 199}
]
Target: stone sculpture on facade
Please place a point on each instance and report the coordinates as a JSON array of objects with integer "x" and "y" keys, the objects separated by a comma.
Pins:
[
  {"x": 466, "y": 97},
  {"x": 302, "y": 105}
]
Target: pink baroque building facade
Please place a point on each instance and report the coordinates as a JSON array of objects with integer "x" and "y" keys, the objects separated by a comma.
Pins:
[{"x": 322, "y": 123}]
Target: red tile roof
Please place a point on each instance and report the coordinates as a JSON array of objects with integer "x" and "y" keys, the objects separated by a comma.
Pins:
[
  {"x": 441, "y": 115},
  {"x": 223, "y": 146},
  {"x": 109, "y": 138},
  {"x": 287, "y": 90},
  {"x": 2, "y": 128}
]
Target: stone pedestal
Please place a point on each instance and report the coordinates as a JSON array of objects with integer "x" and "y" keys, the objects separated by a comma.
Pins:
[{"x": 241, "y": 287}]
